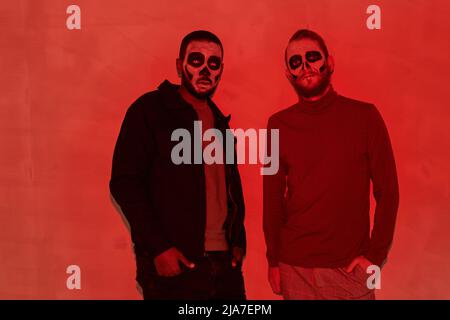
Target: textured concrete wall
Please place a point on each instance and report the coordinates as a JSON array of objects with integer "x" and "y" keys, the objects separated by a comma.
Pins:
[{"x": 64, "y": 94}]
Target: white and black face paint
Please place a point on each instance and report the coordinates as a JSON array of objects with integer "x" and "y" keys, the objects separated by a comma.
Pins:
[
  {"x": 310, "y": 60},
  {"x": 307, "y": 64},
  {"x": 202, "y": 68}
]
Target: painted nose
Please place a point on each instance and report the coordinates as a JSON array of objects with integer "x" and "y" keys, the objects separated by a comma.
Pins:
[
  {"x": 306, "y": 65},
  {"x": 205, "y": 72}
]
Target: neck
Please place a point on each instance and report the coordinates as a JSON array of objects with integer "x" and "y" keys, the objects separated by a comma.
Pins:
[
  {"x": 318, "y": 97},
  {"x": 190, "y": 98}
]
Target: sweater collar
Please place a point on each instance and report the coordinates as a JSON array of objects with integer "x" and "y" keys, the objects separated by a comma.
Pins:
[{"x": 319, "y": 105}]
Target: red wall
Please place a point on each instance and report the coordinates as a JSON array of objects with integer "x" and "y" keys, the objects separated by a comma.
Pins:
[{"x": 64, "y": 95}]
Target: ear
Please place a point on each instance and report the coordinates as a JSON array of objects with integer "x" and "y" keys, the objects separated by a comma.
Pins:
[
  {"x": 330, "y": 62},
  {"x": 179, "y": 65},
  {"x": 221, "y": 70}
]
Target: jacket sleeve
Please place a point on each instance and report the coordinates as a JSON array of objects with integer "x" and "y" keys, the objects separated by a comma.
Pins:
[
  {"x": 274, "y": 188},
  {"x": 385, "y": 187},
  {"x": 129, "y": 181}
]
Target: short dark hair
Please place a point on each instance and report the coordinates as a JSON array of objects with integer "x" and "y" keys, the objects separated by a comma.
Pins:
[
  {"x": 199, "y": 35},
  {"x": 309, "y": 34}
]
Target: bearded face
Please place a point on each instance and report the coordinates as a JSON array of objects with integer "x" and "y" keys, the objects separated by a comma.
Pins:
[
  {"x": 307, "y": 68},
  {"x": 201, "y": 68}
]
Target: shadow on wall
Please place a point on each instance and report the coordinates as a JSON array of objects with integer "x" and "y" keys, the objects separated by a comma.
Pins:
[{"x": 127, "y": 225}]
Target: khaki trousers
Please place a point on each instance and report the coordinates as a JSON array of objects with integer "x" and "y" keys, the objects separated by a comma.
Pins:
[{"x": 299, "y": 283}]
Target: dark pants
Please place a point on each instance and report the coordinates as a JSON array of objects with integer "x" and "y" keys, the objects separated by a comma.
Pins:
[{"x": 213, "y": 278}]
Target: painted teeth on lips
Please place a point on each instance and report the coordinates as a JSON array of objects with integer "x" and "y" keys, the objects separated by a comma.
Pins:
[
  {"x": 309, "y": 75},
  {"x": 204, "y": 81}
]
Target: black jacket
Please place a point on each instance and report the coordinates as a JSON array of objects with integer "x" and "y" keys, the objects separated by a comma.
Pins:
[{"x": 164, "y": 203}]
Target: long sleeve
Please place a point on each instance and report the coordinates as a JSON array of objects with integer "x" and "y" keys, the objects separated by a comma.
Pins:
[
  {"x": 385, "y": 187},
  {"x": 274, "y": 187},
  {"x": 128, "y": 185}
]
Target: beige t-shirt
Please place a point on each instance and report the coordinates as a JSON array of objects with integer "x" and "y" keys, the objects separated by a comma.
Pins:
[{"x": 216, "y": 193}]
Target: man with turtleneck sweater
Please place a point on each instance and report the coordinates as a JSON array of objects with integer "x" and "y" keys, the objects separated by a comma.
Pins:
[{"x": 316, "y": 207}]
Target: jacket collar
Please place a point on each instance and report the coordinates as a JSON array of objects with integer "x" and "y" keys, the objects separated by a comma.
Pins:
[{"x": 173, "y": 100}]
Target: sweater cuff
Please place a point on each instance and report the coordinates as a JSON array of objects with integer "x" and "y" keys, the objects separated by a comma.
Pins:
[{"x": 376, "y": 259}]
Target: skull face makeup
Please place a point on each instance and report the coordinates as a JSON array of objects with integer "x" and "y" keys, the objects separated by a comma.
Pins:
[
  {"x": 308, "y": 68},
  {"x": 313, "y": 59},
  {"x": 202, "y": 68}
]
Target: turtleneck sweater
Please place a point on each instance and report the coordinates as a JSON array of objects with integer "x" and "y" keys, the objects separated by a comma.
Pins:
[{"x": 316, "y": 208}]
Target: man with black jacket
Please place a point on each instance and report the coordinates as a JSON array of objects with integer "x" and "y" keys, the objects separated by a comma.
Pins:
[{"x": 187, "y": 220}]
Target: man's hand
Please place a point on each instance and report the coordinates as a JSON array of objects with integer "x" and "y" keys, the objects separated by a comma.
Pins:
[
  {"x": 168, "y": 263},
  {"x": 274, "y": 279},
  {"x": 238, "y": 255},
  {"x": 361, "y": 261}
]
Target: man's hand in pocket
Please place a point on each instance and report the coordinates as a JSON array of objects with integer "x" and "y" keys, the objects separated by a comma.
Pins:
[
  {"x": 275, "y": 279},
  {"x": 168, "y": 263},
  {"x": 358, "y": 261}
]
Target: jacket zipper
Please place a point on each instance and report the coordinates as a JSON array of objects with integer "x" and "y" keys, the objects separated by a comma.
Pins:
[{"x": 233, "y": 213}]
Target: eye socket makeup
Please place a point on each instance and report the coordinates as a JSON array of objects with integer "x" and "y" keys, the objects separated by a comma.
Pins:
[
  {"x": 295, "y": 61},
  {"x": 313, "y": 56},
  {"x": 214, "y": 63},
  {"x": 310, "y": 56},
  {"x": 196, "y": 59}
]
